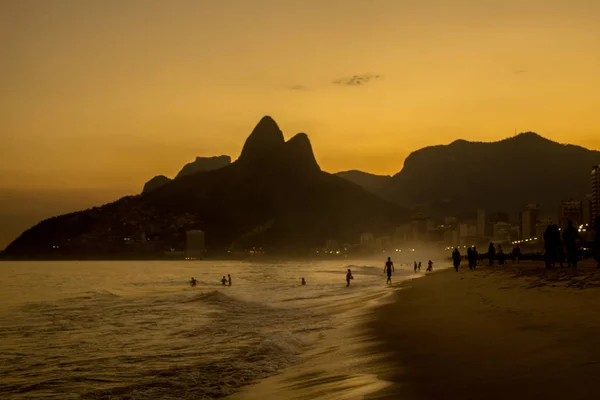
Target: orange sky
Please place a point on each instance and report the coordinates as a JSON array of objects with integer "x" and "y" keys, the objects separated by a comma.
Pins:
[{"x": 107, "y": 94}]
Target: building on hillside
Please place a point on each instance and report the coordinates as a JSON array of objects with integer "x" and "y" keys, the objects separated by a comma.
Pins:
[
  {"x": 194, "y": 244},
  {"x": 569, "y": 210},
  {"x": 595, "y": 181},
  {"x": 528, "y": 219}
]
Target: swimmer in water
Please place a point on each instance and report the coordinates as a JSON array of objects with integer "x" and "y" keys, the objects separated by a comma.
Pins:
[
  {"x": 303, "y": 282},
  {"x": 389, "y": 268},
  {"x": 348, "y": 277},
  {"x": 224, "y": 280},
  {"x": 193, "y": 281}
]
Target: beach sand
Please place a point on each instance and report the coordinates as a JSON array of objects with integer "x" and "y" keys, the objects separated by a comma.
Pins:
[{"x": 520, "y": 332}]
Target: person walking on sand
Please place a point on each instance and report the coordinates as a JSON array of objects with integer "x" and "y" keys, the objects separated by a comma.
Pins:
[
  {"x": 570, "y": 237},
  {"x": 416, "y": 266},
  {"x": 419, "y": 267},
  {"x": 516, "y": 253},
  {"x": 229, "y": 279},
  {"x": 456, "y": 259},
  {"x": 475, "y": 257},
  {"x": 429, "y": 266},
  {"x": 349, "y": 277},
  {"x": 389, "y": 268},
  {"x": 470, "y": 257},
  {"x": 491, "y": 254}
]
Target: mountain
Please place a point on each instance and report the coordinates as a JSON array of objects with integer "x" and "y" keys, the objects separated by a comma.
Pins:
[
  {"x": 373, "y": 183},
  {"x": 274, "y": 196},
  {"x": 457, "y": 178},
  {"x": 201, "y": 164}
]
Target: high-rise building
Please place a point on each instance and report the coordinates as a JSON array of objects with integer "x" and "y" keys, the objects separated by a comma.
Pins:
[
  {"x": 595, "y": 191},
  {"x": 480, "y": 223},
  {"x": 528, "y": 221},
  {"x": 194, "y": 244},
  {"x": 569, "y": 210},
  {"x": 587, "y": 209}
]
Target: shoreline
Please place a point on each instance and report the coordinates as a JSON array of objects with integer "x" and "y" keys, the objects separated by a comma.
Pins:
[{"x": 520, "y": 331}]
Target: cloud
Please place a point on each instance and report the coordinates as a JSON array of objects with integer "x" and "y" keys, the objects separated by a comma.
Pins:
[
  {"x": 298, "y": 87},
  {"x": 357, "y": 80}
]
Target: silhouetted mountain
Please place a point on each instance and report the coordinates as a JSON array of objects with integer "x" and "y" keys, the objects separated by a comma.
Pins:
[
  {"x": 457, "y": 178},
  {"x": 274, "y": 196},
  {"x": 202, "y": 164},
  {"x": 155, "y": 183},
  {"x": 373, "y": 183}
]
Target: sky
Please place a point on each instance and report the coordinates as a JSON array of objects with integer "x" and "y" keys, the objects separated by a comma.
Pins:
[{"x": 103, "y": 95}]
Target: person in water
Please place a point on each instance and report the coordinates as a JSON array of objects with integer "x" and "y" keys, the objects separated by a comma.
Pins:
[
  {"x": 429, "y": 266},
  {"x": 224, "y": 280},
  {"x": 348, "y": 277},
  {"x": 389, "y": 268},
  {"x": 303, "y": 282},
  {"x": 193, "y": 281},
  {"x": 229, "y": 279}
]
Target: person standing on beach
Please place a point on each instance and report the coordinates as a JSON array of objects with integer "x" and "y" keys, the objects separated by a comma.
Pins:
[
  {"x": 516, "y": 253},
  {"x": 389, "y": 268},
  {"x": 492, "y": 254},
  {"x": 419, "y": 267},
  {"x": 456, "y": 259},
  {"x": 470, "y": 257},
  {"x": 416, "y": 267},
  {"x": 500, "y": 256},
  {"x": 348, "y": 277},
  {"x": 475, "y": 257},
  {"x": 229, "y": 279},
  {"x": 430, "y": 266},
  {"x": 570, "y": 237}
]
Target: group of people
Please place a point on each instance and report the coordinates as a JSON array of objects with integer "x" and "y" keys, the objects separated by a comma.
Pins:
[
  {"x": 560, "y": 249},
  {"x": 493, "y": 254},
  {"x": 389, "y": 269}
]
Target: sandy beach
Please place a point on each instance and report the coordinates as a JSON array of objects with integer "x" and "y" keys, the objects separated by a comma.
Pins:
[{"x": 520, "y": 332}]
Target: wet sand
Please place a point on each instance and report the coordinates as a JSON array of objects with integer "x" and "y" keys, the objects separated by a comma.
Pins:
[{"x": 522, "y": 332}]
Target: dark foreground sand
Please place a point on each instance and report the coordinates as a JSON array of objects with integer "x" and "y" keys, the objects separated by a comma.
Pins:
[{"x": 523, "y": 332}]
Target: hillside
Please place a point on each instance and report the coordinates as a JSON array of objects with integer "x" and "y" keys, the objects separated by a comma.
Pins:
[
  {"x": 200, "y": 164},
  {"x": 457, "y": 178},
  {"x": 274, "y": 196},
  {"x": 373, "y": 183}
]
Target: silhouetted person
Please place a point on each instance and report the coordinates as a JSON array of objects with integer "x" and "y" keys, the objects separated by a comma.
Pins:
[
  {"x": 516, "y": 254},
  {"x": 224, "y": 280},
  {"x": 349, "y": 277},
  {"x": 456, "y": 259},
  {"x": 475, "y": 257},
  {"x": 470, "y": 257},
  {"x": 229, "y": 279},
  {"x": 500, "y": 256},
  {"x": 570, "y": 237},
  {"x": 492, "y": 254},
  {"x": 303, "y": 282},
  {"x": 552, "y": 246},
  {"x": 419, "y": 267},
  {"x": 429, "y": 266},
  {"x": 388, "y": 269},
  {"x": 193, "y": 282},
  {"x": 416, "y": 266},
  {"x": 596, "y": 243}
]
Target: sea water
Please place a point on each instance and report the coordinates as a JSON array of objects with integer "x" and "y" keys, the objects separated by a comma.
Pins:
[{"x": 138, "y": 330}]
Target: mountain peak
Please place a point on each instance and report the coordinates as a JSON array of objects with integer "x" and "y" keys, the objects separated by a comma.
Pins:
[
  {"x": 265, "y": 138},
  {"x": 299, "y": 151}
]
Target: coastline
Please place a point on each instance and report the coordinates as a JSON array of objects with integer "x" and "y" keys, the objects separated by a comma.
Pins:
[{"x": 520, "y": 331}]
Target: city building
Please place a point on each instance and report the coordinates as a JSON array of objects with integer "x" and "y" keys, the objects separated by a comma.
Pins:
[
  {"x": 366, "y": 239},
  {"x": 502, "y": 231},
  {"x": 194, "y": 244},
  {"x": 480, "y": 223},
  {"x": 586, "y": 210},
  {"x": 569, "y": 210},
  {"x": 528, "y": 220},
  {"x": 595, "y": 180}
]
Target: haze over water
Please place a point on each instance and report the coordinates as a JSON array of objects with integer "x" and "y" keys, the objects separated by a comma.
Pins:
[{"x": 78, "y": 329}]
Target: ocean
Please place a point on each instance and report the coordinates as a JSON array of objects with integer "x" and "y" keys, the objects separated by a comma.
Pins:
[{"x": 138, "y": 330}]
